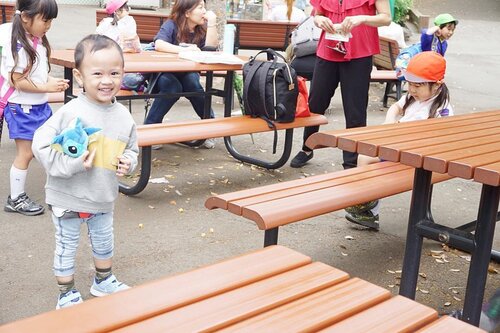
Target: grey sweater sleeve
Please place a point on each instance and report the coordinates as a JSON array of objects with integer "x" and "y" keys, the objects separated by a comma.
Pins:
[{"x": 55, "y": 163}]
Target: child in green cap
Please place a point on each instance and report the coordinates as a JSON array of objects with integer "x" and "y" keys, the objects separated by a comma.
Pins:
[{"x": 435, "y": 38}]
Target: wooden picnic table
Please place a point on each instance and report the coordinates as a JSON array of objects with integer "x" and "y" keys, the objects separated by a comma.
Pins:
[
  {"x": 155, "y": 62},
  {"x": 274, "y": 289},
  {"x": 465, "y": 146}
]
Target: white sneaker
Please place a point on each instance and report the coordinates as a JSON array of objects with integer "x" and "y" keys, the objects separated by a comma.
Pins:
[
  {"x": 68, "y": 299},
  {"x": 209, "y": 143},
  {"x": 110, "y": 285}
]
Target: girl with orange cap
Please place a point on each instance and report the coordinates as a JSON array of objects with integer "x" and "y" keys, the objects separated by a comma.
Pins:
[{"x": 427, "y": 97}]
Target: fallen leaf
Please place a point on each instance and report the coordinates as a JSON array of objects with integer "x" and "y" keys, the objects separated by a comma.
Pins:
[
  {"x": 392, "y": 272},
  {"x": 492, "y": 270},
  {"x": 447, "y": 304},
  {"x": 423, "y": 275},
  {"x": 391, "y": 285},
  {"x": 456, "y": 298},
  {"x": 423, "y": 291},
  {"x": 172, "y": 202},
  {"x": 349, "y": 237},
  {"x": 160, "y": 180},
  {"x": 152, "y": 207},
  {"x": 344, "y": 254},
  {"x": 178, "y": 192},
  {"x": 467, "y": 258}
]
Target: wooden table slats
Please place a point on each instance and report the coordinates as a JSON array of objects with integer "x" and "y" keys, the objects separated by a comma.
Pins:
[
  {"x": 459, "y": 145},
  {"x": 488, "y": 174},
  {"x": 330, "y": 138},
  {"x": 370, "y": 146},
  {"x": 463, "y": 166},
  {"x": 436, "y": 158},
  {"x": 455, "y": 141}
]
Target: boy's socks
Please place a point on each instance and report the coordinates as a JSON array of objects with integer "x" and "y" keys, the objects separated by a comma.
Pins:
[
  {"x": 102, "y": 274},
  {"x": 66, "y": 286},
  {"x": 17, "y": 181}
]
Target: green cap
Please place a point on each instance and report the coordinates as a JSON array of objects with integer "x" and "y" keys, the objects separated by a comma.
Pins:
[{"x": 444, "y": 18}]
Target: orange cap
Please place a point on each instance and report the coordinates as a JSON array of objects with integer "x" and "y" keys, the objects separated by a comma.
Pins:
[{"x": 426, "y": 66}]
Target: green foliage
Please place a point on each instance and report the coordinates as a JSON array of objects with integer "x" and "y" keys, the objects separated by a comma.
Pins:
[{"x": 401, "y": 9}]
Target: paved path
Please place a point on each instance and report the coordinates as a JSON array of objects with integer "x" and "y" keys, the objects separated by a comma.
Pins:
[{"x": 166, "y": 229}]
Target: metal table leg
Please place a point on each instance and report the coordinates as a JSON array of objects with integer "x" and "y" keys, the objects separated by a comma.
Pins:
[
  {"x": 483, "y": 238},
  {"x": 418, "y": 212}
]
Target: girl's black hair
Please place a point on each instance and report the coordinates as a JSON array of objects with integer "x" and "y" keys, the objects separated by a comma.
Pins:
[
  {"x": 113, "y": 15},
  {"x": 441, "y": 100},
  {"x": 93, "y": 43},
  {"x": 30, "y": 8}
]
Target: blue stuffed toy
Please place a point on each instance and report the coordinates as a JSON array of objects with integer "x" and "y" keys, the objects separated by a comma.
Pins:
[{"x": 73, "y": 140}]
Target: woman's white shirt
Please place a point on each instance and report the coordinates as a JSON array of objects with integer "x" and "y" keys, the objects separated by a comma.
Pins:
[{"x": 278, "y": 13}]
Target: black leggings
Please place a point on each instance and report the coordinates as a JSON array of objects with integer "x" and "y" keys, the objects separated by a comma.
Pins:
[{"x": 354, "y": 78}]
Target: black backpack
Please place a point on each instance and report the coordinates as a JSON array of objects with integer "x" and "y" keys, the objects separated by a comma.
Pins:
[{"x": 270, "y": 90}]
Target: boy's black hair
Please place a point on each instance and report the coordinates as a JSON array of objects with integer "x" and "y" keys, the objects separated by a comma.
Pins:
[
  {"x": 93, "y": 43},
  {"x": 447, "y": 23}
]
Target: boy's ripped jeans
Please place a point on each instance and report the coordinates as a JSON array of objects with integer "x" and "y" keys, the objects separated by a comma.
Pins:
[{"x": 100, "y": 231}]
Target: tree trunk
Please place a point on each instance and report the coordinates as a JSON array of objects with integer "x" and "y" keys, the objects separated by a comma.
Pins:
[{"x": 219, "y": 8}]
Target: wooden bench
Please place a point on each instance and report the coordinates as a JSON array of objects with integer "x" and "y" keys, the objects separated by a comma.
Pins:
[
  {"x": 250, "y": 34},
  {"x": 7, "y": 9},
  {"x": 148, "y": 22},
  {"x": 273, "y": 290},
  {"x": 226, "y": 127},
  {"x": 384, "y": 62},
  {"x": 258, "y": 35},
  {"x": 269, "y": 206}
]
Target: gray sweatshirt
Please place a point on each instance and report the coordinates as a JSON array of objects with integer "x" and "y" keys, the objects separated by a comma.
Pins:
[{"x": 69, "y": 185}]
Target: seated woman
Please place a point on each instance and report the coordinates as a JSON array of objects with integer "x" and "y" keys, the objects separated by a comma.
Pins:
[{"x": 190, "y": 28}]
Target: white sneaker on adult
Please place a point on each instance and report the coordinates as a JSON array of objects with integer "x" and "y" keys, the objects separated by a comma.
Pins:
[{"x": 209, "y": 143}]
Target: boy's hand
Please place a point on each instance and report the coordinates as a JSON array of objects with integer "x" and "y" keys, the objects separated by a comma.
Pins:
[
  {"x": 123, "y": 166},
  {"x": 88, "y": 159}
]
